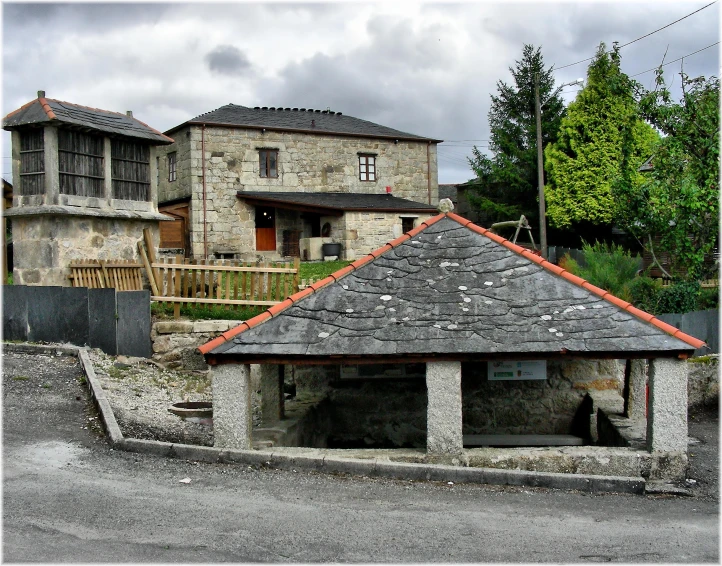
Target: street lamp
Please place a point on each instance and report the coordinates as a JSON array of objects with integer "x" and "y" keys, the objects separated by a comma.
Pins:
[{"x": 540, "y": 162}]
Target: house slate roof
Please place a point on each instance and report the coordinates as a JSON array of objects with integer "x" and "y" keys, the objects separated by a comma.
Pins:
[
  {"x": 447, "y": 191},
  {"x": 452, "y": 290},
  {"x": 339, "y": 201},
  {"x": 299, "y": 120},
  {"x": 49, "y": 111}
]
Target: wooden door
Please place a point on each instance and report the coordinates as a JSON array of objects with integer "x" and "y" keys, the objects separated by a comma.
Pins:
[{"x": 265, "y": 229}]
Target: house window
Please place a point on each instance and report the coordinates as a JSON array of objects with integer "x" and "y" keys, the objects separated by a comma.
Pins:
[
  {"x": 267, "y": 161},
  {"x": 367, "y": 167},
  {"x": 172, "y": 166},
  {"x": 407, "y": 224}
]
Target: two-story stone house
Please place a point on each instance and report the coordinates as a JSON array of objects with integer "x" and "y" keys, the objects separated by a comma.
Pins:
[{"x": 248, "y": 182}]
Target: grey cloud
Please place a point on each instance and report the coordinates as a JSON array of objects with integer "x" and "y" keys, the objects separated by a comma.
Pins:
[
  {"x": 227, "y": 60},
  {"x": 52, "y": 17}
]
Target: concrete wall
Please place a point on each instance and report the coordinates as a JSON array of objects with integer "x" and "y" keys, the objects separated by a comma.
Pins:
[
  {"x": 306, "y": 163},
  {"x": 115, "y": 322}
]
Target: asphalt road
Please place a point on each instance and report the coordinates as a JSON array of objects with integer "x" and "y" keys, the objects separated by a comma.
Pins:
[{"x": 68, "y": 498}]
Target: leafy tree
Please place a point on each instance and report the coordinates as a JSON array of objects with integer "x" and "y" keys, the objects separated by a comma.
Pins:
[
  {"x": 679, "y": 202},
  {"x": 587, "y": 156},
  {"x": 506, "y": 183}
]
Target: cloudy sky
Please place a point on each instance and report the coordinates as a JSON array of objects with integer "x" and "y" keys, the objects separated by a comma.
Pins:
[{"x": 423, "y": 68}]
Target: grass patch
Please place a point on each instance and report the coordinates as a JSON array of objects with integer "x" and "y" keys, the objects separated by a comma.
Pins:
[
  {"x": 320, "y": 269},
  {"x": 21, "y": 378}
]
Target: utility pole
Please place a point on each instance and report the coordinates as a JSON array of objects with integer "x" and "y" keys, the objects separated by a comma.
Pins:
[{"x": 540, "y": 172}]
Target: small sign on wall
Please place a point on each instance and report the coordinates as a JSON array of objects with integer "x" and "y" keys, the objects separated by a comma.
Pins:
[{"x": 502, "y": 370}]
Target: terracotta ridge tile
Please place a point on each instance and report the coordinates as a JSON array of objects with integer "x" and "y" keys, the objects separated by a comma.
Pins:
[
  {"x": 302, "y": 294},
  {"x": 213, "y": 344},
  {"x": 256, "y": 320},
  {"x": 400, "y": 240},
  {"x": 280, "y": 307},
  {"x": 46, "y": 107},
  {"x": 322, "y": 283},
  {"x": 341, "y": 273},
  {"x": 606, "y": 295},
  {"x": 382, "y": 250},
  {"x": 362, "y": 261}
]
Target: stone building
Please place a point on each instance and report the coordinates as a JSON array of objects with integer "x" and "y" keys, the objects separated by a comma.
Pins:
[
  {"x": 85, "y": 187},
  {"x": 230, "y": 177},
  {"x": 451, "y": 337}
]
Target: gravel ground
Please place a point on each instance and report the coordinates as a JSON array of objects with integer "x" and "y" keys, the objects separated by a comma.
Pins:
[{"x": 140, "y": 392}]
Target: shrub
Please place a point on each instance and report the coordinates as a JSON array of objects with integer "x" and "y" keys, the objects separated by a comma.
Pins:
[
  {"x": 679, "y": 297},
  {"x": 608, "y": 266},
  {"x": 645, "y": 293}
]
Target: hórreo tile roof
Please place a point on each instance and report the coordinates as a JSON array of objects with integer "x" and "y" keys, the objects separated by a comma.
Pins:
[
  {"x": 49, "y": 111},
  {"x": 454, "y": 290}
]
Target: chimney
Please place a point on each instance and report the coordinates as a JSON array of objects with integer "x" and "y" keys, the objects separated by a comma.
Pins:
[
  {"x": 41, "y": 94},
  {"x": 129, "y": 113}
]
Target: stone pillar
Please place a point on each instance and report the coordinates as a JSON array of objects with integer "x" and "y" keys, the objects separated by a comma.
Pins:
[
  {"x": 667, "y": 416},
  {"x": 635, "y": 388},
  {"x": 271, "y": 392},
  {"x": 232, "y": 409},
  {"x": 52, "y": 176},
  {"x": 108, "y": 170},
  {"x": 154, "y": 153},
  {"x": 443, "y": 417},
  {"x": 17, "y": 184}
]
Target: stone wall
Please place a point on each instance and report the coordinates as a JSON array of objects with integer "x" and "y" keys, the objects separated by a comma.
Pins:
[
  {"x": 703, "y": 383},
  {"x": 363, "y": 232},
  {"x": 393, "y": 412},
  {"x": 44, "y": 245},
  {"x": 306, "y": 163}
]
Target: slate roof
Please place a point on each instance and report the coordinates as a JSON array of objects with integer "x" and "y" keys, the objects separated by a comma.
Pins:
[
  {"x": 338, "y": 201},
  {"x": 299, "y": 120},
  {"x": 452, "y": 290},
  {"x": 447, "y": 191},
  {"x": 49, "y": 111}
]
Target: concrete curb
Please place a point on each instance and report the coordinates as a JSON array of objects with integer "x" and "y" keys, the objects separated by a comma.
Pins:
[{"x": 372, "y": 467}]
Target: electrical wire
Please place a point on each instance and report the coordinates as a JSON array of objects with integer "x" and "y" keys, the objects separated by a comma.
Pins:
[
  {"x": 642, "y": 37},
  {"x": 678, "y": 59}
]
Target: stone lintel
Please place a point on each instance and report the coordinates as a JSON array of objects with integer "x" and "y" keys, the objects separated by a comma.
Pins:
[
  {"x": 667, "y": 412},
  {"x": 232, "y": 412},
  {"x": 444, "y": 415},
  {"x": 61, "y": 210}
]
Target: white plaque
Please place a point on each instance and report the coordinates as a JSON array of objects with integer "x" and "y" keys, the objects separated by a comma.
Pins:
[{"x": 502, "y": 370}]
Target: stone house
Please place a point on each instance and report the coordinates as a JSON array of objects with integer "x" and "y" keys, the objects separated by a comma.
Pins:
[
  {"x": 451, "y": 337},
  {"x": 231, "y": 179},
  {"x": 85, "y": 187}
]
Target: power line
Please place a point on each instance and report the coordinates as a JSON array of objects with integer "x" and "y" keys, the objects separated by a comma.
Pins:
[
  {"x": 679, "y": 59},
  {"x": 642, "y": 37}
]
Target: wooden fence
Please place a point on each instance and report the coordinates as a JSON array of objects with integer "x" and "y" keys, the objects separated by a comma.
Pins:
[
  {"x": 230, "y": 283},
  {"x": 123, "y": 275},
  {"x": 707, "y": 284}
]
